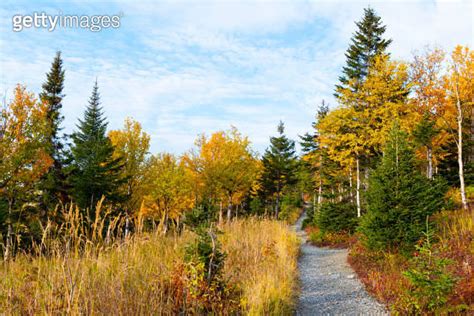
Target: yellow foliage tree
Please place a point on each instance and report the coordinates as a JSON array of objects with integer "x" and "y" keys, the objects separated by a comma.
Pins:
[
  {"x": 359, "y": 128},
  {"x": 23, "y": 157},
  {"x": 168, "y": 190},
  {"x": 459, "y": 83},
  {"x": 224, "y": 167},
  {"x": 131, "y": 144}
]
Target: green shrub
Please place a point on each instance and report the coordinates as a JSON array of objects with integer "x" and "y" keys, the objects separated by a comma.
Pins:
[
  {"x": 257, "y": 207},
  {"x": 336, "y": 217},
  {"x": 200, "y": 216}
]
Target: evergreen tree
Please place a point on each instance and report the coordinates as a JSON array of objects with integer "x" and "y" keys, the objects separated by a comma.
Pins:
[
  {"x": 315, "y": 157},
  {"x": 95, "y": 172},
  {"x": 53, "y": 183},
  {"x": 367, "y": 42},
  {"x": 279, "y": 164},
  {"x": 399, "y": 198}
]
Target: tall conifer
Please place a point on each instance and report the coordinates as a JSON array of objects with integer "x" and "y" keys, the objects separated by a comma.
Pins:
[
  {"x": 53, "y": 182},
  {"x": 367, "y": 42},
  {"x": 279, "y": 163},
  {"x": 95, "y": 172}
]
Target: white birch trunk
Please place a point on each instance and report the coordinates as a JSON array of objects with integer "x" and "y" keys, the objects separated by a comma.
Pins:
[
  {"x": 358, "y": 187},
  {"x": 460, "y": 159},
  {"x": 429, "y": 170}
]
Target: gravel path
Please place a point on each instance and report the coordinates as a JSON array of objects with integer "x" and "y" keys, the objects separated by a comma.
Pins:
[{"x": 328, "y": 284}]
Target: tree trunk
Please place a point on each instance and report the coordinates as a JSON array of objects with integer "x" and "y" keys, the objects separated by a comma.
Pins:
[
  {"x": 277, "y": 202},
  {"x": 127, "y": 227},
  {"x": 221, "y": 215},
  {"x": 366, "y": 178},
  {"x": 351, "y": 194},
  {"x": 8, "y": 246},
  {"x": 460, "y": 159},
  {"x": 229, "y": 209},
  {"x": 165, "y": 224},
  {"x": 358, "y": 187},
  {"x": 320, "y": 192},
  {"x": 429, "y": 157},
  {"x": 314, "y": 202},
  {"x": 320, "y": 189}
]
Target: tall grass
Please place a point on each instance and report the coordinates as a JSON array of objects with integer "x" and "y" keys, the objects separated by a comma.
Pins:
[
  {"x": 262, "y": 258},
  {"x": 86, "y": 267}
]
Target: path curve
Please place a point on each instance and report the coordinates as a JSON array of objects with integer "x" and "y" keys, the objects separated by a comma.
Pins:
[{"x": 329, "y": 286}]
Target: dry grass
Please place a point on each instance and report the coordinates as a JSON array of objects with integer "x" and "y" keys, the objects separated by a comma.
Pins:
[
  {"x": 262, "y": 258},
  {"x": 84, "y": 271},
  {"x": 457, "y": 244}
]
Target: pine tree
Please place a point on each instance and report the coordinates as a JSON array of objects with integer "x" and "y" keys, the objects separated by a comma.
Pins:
[
  {"x": 53, "y": 183},
  {"x": 367, "y": 42},
  {"x": 399, "y": 198},
  {"x": 315, "y": 155},
  {"x": 279, "y": 164},
  {"x": 95, "y": 172}
]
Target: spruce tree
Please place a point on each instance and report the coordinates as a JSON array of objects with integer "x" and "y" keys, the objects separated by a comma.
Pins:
[
  {"x": 95, "y": 172},
  {"x": 367, "y": 42},
  {"x": 52, "y": 184},
  {"x": 279, "y": 164},
  {"x": 399, "y": 198}
]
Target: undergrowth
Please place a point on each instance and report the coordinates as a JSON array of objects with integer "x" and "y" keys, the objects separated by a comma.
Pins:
[
  {"x": 437, "y": 278},
  {"x": 250, "y": 268}
]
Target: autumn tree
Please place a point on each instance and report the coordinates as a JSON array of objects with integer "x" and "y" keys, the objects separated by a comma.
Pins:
[
  {"x": 344, "y": 137},
  {"x": 53, "y": 182},
  {"x": 428, "y": 105},
  {"x": 356, "y": 132},
  {"x": 24, "y": 130},
  {"x": 459, "y": 84},
  {"x": 131, "y": 144},
  {"x": 96, "y": 171},
  {"x": 168, "y": 191},
  {"x": 279, "y": 166},
  {"x": 225, "y": 166}
]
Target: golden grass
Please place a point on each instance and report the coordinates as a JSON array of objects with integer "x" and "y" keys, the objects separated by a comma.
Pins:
[
  {"x": 142, "y": 275},
  {"x": 262, "y": 258}
]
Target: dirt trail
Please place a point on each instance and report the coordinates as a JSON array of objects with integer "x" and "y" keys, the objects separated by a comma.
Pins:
[{"x": 328, "y": 284}]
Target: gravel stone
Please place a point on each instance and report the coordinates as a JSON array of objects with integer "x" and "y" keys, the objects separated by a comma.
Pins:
[{"x": 328, "y": 285}]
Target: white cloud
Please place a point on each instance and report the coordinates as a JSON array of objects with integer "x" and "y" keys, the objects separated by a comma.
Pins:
[{"x": 185, "y": 68}]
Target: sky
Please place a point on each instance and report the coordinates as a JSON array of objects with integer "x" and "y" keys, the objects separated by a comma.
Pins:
[{"x": 183, "y": 68}]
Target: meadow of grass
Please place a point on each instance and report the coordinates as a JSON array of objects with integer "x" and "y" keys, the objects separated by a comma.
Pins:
[{"x": 80, "y": 269}]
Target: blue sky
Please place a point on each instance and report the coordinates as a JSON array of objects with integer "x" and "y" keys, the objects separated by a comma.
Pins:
[{"x": 182, "y": 68}]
